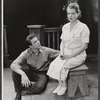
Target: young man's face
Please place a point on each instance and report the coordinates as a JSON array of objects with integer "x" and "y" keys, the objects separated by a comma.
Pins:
[{"x": 35, "y": 43}]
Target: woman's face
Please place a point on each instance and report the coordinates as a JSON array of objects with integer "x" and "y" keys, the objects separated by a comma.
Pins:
[{"x": 72, "y": 15}]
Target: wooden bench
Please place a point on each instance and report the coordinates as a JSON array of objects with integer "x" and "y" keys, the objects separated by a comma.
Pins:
[{"x": 78, "y": 78}]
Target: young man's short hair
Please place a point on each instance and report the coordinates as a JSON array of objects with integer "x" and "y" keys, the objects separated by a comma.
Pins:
[{"x": 29, "y": 37}]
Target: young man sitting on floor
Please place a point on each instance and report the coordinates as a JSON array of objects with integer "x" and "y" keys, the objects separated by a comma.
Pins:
[{"x": 37, "y": 59}]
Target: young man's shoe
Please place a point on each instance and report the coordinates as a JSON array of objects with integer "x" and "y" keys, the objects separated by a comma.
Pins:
[{"x": 18, "y": 96}]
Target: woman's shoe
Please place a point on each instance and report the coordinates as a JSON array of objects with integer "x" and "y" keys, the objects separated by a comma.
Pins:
[
  {"x": 62, "y": 90},
  {"x": 57, "y": 89}
]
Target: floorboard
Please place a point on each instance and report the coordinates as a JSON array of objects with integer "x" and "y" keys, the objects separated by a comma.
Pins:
[{"x": 9, "y": 93}]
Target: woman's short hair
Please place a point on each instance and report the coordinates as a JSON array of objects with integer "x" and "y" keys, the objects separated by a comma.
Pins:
[
  {"x": 29, "y": 37},
  {"x": 76, "y": 7}
]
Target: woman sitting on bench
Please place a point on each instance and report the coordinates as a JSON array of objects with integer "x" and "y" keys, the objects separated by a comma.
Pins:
[{"x": 75, "y": 39}]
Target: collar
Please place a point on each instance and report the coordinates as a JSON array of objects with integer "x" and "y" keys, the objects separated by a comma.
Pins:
[
  {"x": 40, "y": 50},
  {"x": 36, "y": 53}
]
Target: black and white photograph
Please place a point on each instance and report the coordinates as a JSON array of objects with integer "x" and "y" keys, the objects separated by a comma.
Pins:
[{"x": 50, "y": 49}]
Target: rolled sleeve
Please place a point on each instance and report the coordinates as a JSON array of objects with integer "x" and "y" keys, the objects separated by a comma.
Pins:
[
  {"x": 16, "y": 64},
  {"x": 61, "y": 37},
  {"x": 85, "y": 34}
]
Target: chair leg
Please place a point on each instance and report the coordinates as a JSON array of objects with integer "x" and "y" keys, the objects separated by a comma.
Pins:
[
  {"x": 83, "y": 85},
  {"x": 72, "y": 86}
]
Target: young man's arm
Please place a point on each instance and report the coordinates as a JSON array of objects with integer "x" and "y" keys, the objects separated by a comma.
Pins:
[
  {"x": 53, "y": 53},
  {"x": 16, "y": 66}
]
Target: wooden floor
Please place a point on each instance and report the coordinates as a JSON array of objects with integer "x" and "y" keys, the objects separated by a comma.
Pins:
[{"x": 91, "y": 62}]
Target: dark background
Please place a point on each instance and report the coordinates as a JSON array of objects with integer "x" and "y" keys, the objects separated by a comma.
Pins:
[{"x": 20, "y": 13}]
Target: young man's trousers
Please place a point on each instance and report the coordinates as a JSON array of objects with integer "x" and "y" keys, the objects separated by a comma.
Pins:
[{"x": 40, "y": 79}]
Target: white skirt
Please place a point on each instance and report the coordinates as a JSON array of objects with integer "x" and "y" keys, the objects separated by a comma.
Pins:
[{"x": 55, "y": 68}]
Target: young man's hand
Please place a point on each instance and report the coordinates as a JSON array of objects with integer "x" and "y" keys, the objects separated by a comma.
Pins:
[{"x": 25, "y": 80}]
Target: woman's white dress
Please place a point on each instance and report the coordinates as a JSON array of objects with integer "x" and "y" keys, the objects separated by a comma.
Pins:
[{"x": 73, "y": 41}]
